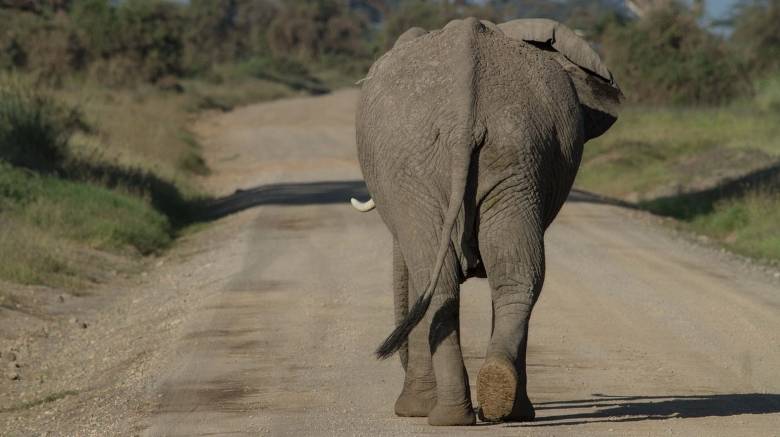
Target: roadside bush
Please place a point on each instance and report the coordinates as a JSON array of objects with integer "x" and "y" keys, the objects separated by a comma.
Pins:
[
  {"x": 666, "y": 58},
  {"x": 34, "y": 130},
  {"x": 48, "y": 47},
  {"x": 757, "y": 35},
  {"x": 225, "y": 31},
  {"x": 97, "y": 21},
  {"x": 767, "y": 96},
  {"x": 150, "y": 36},
  {"x": 307, "y": 30}
]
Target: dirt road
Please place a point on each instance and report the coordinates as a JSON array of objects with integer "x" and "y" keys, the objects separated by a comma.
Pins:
[
  {"x": 637, "y": 332},
  {"x": 633, "y": 325}
]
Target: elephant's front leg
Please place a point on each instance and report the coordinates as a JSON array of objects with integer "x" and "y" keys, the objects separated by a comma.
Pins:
[{"x": 512, "y": 247}]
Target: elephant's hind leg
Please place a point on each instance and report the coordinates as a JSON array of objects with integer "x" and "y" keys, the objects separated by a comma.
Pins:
[
  {"x": 512, "y": 248},
  {"x": 436, "y": 337},
  {"x": 418, "y": 396}
]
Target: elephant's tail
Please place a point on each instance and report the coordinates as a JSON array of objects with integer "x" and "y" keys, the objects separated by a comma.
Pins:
[
  {"x": 460, "y": 171},
  {"x": 462, "y": 144}
]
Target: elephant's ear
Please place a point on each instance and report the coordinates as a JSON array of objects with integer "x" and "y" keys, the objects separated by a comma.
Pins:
[
  {"x": 409, "y": 35},
  {"x": 598, "y": 93}
]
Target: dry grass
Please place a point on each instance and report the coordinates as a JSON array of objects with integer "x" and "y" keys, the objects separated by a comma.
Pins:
[{"x": 126, "y": 185}]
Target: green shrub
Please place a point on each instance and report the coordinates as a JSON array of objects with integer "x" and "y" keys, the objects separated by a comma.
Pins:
[
  {"x": 97, "y": 21},
  {"x": 307, "y": 30},
  {"x": 667, "y": 58},
  {"x": 34, "y": 130},
  {"x": 767, "y": 96},
  {"x": 225, "y": 31},
  {"x": 150, "y": 37},
  {"x": 757, "y": 35},
  {"x": 49, "y": 47}
]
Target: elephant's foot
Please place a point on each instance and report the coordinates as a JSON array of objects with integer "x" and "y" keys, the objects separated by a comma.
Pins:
[
  {"x": 452, "y": 415},
  {"x": 415, "y": 403},
  {"x": 496, "y": 389}
]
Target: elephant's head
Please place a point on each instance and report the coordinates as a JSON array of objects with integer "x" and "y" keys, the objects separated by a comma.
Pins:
[{"x": 598, "y": 93}]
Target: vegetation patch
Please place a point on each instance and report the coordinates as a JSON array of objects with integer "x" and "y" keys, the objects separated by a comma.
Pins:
[
  {"x": 668, "y": 58},
  {"x": 30, "y": 257},
  {"x": 715, "y": 169},
  {"x": 748, "y": 224},
  {"x": 96, "y": 216},
  {"x": 34, "y": 130}
]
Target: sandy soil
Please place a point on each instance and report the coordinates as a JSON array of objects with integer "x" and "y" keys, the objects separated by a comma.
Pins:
[{"x": 265, "y": 322}]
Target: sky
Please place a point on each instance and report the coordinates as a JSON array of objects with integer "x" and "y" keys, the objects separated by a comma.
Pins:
[{"x": 717, "y": 9}]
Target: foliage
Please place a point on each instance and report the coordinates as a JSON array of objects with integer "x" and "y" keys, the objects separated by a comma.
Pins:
[
  {"x": 748, "y": 223},
  {"x": 97, "y": 21},
  {"x": 34, "y": 130},
  {"x": 667, "y": 58},
  {"x": 767, "y": 95},
  {"x": 80, "y": 212},
  {"x": 225, "y": 31},
  {"x": 309, "y": 29},
  {"x": 48, "y": 47},
  {"x": 757, "y": 35},
  {"x": 704, "y": 166},
  {"x": 150, "y": 35}
]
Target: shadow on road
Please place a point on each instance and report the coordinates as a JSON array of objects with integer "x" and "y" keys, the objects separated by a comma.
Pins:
[
  {"x": 300, "y": 193},
  {"x": 585, "y": 196},
  {"x": 325, "y": 192},
  {"x": 605, "y": 408}
]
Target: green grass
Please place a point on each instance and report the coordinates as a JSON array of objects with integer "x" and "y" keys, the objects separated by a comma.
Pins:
[
  {"x": 32, "y": 257},
  {"x": 748, "y": 224},
  {"x": 677, "y": 161},
  {"x": 642, "y": 149},
  {"x": 97, "y": 216},
  {"x": 45, "y": 214},
  {"x": 191, "y": 159},
  {"x": 55, "y": 229}
]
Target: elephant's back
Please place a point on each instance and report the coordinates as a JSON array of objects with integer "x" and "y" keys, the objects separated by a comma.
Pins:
[
  {"x": 416, "y": 103},
  {"x": 421, "y": 93},
  {"x": 419, "y": 97}
]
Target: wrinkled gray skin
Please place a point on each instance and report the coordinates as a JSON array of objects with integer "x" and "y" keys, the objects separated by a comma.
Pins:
[{"x": 469, "y": 139}]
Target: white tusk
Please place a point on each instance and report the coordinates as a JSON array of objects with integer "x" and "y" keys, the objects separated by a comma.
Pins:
[{"x": 363, "y": 206}]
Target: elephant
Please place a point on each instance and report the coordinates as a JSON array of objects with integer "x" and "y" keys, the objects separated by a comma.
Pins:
[{"x": 469, "y": 139}]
